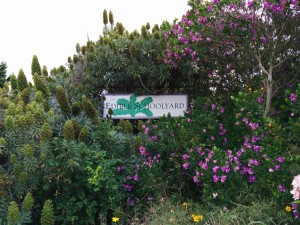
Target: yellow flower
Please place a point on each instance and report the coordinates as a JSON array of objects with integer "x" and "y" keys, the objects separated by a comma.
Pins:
[
  {"x": 196, "y": 219},
  {"x": 115, "y": 219},
  {"x": 288, "y": 209}
]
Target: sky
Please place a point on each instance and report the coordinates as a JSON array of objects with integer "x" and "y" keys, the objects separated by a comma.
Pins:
[{"x": 50, "y": 29}]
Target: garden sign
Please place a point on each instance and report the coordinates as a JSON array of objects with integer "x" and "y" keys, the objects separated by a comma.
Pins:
[{"x": 130, "y": 106}]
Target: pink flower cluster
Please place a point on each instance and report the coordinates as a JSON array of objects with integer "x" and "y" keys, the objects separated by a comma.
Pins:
[{"x": 296, "y": 188}]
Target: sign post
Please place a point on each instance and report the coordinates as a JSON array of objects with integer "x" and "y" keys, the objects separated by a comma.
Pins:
[{"x": 130, "y": 106}]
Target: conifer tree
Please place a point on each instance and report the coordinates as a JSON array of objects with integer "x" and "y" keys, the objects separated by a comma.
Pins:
[
  {"x": 21, "y": 80},
  {"x": 77, "y": 48},
  {"x": 40, "y": 85},
  {"x": 35, "y": 66},
  {"x": 3, "y": 68},
  {"x": 28, "y": 202},
  {"x": 45, "y": 71},
  {"x": 46, "y": 133},
  {"x": 47, "y": 217},
  {"x": 111, "y": 18},
  {"x": 13, "y": 214},
  {"x": 68, "y": 130},
  {"x": 63, "y": 100},
  {"x": 89, "y": 108},
  {"x": 13, "y": 82},
  {"x": 105, "y": 18}
]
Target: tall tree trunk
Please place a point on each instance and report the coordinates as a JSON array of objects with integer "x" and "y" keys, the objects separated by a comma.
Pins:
[{"x": 269, "y": 87}]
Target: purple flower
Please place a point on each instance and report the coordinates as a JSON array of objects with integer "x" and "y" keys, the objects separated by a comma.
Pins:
[
  {"x": 186, "y": 165},
  {"x": 212, "y": 138},
  {"x": 223, "y": 178},
  {"x": 256, "y": 148},
  {"x": 264, "y": 40},
  {"x": 252, "y": 179},
  {"x": 127, "y": 187},
  {"x": 281, "y": 159},
  {"x": 260, "y": 100},
  {"x": 213, "y": 106},
  {"x": 143, "y": 151},
  {"x": 119, "y": 168},
  {"x": 149, "y": 198},
  {"x": 293, "y": 97},
  {"x": 216, "y": 168},
  {"x": 277, "y": 167},
  {"x": 195, "y": 178},
  {"x": 154, "y": 138},
  {"x": 136, "y": 177},
  {"x": 216, "y": 178},
  {"x": 281, "y": 188},
  {"x": 185, "y": 156},
  {"x": 189, "y": 120}
]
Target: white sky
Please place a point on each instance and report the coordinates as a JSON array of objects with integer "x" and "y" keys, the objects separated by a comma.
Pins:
[{"x": 50, "y": 29}]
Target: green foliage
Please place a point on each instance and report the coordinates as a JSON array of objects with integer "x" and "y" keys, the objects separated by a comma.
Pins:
[
  {"x": 39, "y": 97},
  {"x": 13, "y": 82},
  {"x": 40, "y": 85},
  {"x": 68, "y": 130},
  {"x": 105, "y": 17},
  {"x": 46, "y": 133},
  {"x": 63, "y": 100},
  {"x": 84, "y": 135},
  {"x": 21, "y": 80},
  {"x": 13, "y": 214},
  {"x": 111, "y": 18},
  {"x": 28, "y": 202},
  {"x": 35, "y": 66},
  {"x": 25, "y": 94},
  {"x": 9, "y": 122},
  {"x": 76, "y": 127},
  {"x": 89, "y": 108},
  {"x": 3, "y": 68},
  {"x": 45, "y": 71},
  {"x": 47, "y": 217},
  {"x": 76, "y": 109}
]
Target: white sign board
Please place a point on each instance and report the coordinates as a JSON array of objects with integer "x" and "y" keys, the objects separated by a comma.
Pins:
[{"x": 130, "y": 106}]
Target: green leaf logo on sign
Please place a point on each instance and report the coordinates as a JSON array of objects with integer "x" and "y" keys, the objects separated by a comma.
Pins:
[{"x": 132, "y": 107}]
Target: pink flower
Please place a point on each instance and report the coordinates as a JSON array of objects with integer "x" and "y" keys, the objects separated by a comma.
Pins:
[
  {"x": 260, "y": 100},
  {"x": 136, "y": 177},
  {"x": 195, "y": 178},
  {"x": 216, "y": 178},
  {"x": 293, "y": 97},
  {"x": 185, "y": 156},
  {"x": 296, "y": 188},
  {"x": 223, "y": 178},
  {"x": 186, "y": 165},
  {"x": 146, "y": 131}
]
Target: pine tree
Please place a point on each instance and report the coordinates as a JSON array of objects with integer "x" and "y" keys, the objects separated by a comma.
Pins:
[
  {"x": 45, "y": 71},
  {"x": 21, "y": 80},
  {"x": 40, "y": 85},
  {"x": 28, "y": 202},
  {"x": 13, "y": 82},
  {"x": 46, "y": 133},
  {"x": 105, "y": 18},
  {"x": 35, "y": 66},
  {"x": 89, "y": 108},
  {"x": 47, "y": 217},
  {"x": 68, "y": 130},
  {"x": 63, "y": 100},
  {"x": 13, "y": 214},
  {"x": 111, "y": 18},
  {"x": 3, "y": 68}
]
